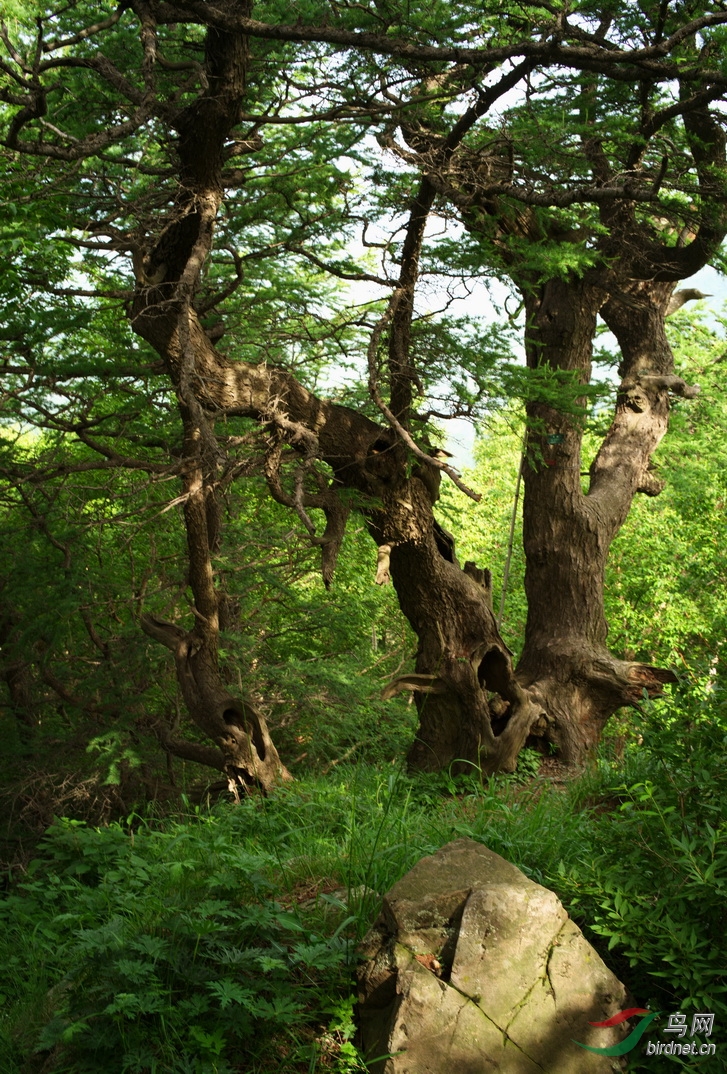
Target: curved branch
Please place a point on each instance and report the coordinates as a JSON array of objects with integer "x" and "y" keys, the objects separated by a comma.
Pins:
[
  {"x": 194, "y": 751},
  {"x": 593, "y": 55},
  {"x": 89, "y": 31}
]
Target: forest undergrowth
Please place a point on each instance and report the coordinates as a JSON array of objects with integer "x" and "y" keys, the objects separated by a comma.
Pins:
[{"x": 222, "y": 939}]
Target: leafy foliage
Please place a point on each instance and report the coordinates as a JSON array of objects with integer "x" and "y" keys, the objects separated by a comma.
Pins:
[
  {"x": 169, "y": 950},
  {"x": 654, "y": 884},
  {"x": 227, "y": 938}
]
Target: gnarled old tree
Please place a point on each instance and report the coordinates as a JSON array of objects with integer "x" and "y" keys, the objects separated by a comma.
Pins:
[
  {"x": 583, "y": 151},
  {"x": 629, "y": 239}
]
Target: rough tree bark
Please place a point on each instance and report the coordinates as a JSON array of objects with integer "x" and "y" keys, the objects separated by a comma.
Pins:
[
  {"x": 448, "y": 608},
  {"x": 464, "y": 675},
  {"x": 245, "y": 750},
  {"x": 567, "y": 532}
]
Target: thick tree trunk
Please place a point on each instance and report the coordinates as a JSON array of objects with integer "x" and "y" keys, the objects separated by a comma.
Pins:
[
  {"x": 464, "y": 678},
  {"x": 566, "y": 668},
  {"x": 567, "y": 533}
]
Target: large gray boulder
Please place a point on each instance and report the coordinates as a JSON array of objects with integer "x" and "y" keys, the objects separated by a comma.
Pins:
[{"x": 472, "y": 968}]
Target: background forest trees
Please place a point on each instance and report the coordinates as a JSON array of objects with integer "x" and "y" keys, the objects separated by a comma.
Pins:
[{"x": 190, "y": 194}]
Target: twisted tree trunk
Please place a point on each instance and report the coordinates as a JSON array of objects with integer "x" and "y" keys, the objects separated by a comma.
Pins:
[{"x": 163, "y": 313}]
